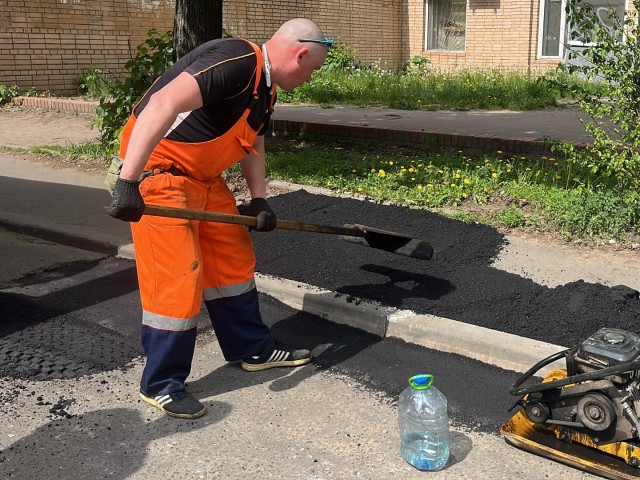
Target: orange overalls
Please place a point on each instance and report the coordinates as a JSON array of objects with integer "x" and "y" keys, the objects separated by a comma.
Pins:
[{"x": 180, "y": 262}]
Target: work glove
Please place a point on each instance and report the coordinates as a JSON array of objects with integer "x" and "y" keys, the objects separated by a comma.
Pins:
[
  {"x": 127, "y": 203},
  {"x": 259, "y": 208}
]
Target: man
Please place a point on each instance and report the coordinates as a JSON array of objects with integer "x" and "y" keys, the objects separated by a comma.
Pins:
[{"x": 207, "y": 112}]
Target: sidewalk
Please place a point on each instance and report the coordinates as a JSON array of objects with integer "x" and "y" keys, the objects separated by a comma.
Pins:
[
  {"x": 505, "y": 130},
  {"x": 67, "y": 207},
  {"x": 474, "y": 131}
]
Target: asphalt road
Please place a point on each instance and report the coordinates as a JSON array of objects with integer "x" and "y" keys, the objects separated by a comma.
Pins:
[{"x": 70, "y": 361}]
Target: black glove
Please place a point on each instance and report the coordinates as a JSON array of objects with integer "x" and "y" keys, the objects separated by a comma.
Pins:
[
  {"x": 260, "y": 209},
  {"x": 127, "y": 203}
]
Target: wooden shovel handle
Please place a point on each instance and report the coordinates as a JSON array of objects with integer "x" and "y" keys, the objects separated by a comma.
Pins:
[{"x": 246, "y": 220}]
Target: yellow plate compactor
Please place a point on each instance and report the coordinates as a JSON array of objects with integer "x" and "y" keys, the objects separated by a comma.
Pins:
[{"x": 586, "y": 416}]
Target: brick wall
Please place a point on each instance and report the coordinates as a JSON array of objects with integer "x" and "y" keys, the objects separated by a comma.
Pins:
[
  {"x": 48, "y": 44},
  {"x": 499, "y": 34}
]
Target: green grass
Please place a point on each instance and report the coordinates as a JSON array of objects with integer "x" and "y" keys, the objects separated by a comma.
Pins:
[
  {"x": 430, "y": 90},
  {"x": 505, "y": 190}
]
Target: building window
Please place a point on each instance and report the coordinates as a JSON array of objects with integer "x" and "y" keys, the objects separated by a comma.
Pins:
[
  {"x": 446, "y": 24},
  {"x": 552, "y": 30},
  {"x": 553, "y": 34}
]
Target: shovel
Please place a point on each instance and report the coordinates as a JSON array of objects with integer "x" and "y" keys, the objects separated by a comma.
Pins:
[{"x": 367, "y": 236}]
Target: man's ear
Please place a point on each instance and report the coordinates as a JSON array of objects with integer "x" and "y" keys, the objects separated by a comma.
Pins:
[{"x": 302, "y": 52}]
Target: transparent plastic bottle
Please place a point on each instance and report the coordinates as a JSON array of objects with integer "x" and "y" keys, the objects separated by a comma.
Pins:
[{"x": 424, "y": 424}]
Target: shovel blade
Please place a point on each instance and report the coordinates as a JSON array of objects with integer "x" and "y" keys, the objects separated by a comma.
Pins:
[{"x": 390, "y": 242}]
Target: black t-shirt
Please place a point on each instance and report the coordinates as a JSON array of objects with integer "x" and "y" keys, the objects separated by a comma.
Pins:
[{"x": 225, "y": 70}]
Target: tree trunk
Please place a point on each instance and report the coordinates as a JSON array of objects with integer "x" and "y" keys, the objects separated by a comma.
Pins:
[{"x": 196, "y": 22}]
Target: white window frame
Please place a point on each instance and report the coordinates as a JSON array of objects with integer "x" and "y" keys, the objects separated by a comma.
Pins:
[{"x": 563, "y": 31}]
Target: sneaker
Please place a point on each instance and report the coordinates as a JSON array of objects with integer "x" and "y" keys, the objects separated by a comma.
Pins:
[
  {"x": 179, "y": 404},
  {"x": 277, "y": 355}
]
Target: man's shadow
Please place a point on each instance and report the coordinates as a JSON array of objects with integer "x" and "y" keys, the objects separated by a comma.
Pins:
[
  {"x": 330, "y": 344},
  {"x": 110, "y": 443}
]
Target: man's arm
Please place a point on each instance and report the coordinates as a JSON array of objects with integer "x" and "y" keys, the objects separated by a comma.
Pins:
[
  {"x": 182, "y": 94},
  {"x": 254, "y": 170}
]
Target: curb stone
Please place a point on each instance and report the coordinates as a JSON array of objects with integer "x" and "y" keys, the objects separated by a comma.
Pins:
[{"x": 493, "y": 347}]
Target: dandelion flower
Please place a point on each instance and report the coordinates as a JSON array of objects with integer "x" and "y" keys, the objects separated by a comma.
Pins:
[
  {"x": 382, "y": 173},
  {"x": 419, "y": 187},
  {"x": 412, "y": 169},
  {"x": 359, "y": 189},
  {"x": 499, "y": 151},
  {"x": 457, "y": 175},
  {"x": 390, "y": 163},
  {"x": 429, "y": 186},
  {"x": 467, "y": 181},
  {"x": 494, "y": 175},
  {"x": 373, "y": 170},
  {"x": 353, "y": 170}
]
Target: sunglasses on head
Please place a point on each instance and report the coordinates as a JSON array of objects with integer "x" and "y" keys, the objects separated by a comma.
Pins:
[{"x": 327, "y": 42}]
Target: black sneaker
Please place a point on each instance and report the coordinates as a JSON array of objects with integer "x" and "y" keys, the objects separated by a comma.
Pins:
[
  {"x": 179, "y": 404},
  {"x": 277, "y": 355}
]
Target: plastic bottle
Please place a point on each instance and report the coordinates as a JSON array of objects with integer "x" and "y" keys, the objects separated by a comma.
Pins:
[{"x": 424, "y": 424}]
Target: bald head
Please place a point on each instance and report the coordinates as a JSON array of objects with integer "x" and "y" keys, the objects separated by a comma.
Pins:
[{"x": 292, "y": 61}]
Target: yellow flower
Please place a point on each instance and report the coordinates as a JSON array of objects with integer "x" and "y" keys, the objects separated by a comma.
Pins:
[
  {"x": 412, "y": 169},
  {"x": 508, "y": 170},
  {"x": 464, "y": 195},
  {"x": 499, "y": 151},
  {"x": 429, "y": 186},
  {"x": 373, "y": 170},
  {"x": 359, "y": 189},
  {"x": 390, "y": 163},
  {"x": 452, "y": 185},
  {"x": 382, "y": 173},
  {"x": 457, "y": 175},
  {"x": 441, "y": 172},
  {"x": 467, "y": 181},
  {"x": 419, "y": 187},
  {"x": 353, "y": 170},
  {"x": 494, "y": 175}
]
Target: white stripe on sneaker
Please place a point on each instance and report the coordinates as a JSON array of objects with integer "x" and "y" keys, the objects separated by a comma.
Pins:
[
  {"x": 272, "y": 357},
  {"x": 163, "y": 399}
]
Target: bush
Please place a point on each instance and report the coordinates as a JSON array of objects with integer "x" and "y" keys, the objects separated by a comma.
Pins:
[
  {"x": 153, "y": 57},
  {"x": 92, "y": 84},
  {"x": 611, "y": 58},
  {"x": 7, "y": 92}
]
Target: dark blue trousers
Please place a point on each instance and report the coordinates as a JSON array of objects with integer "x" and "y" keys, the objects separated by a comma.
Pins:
[{"x": 237, "y": 324}]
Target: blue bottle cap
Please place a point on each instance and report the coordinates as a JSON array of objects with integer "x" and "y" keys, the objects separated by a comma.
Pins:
[{"x": 421, "y": 381}]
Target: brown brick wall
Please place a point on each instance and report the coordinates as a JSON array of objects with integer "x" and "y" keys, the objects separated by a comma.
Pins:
[
  {"x": 48, "y": 44},
  {"x": 499, "y": 34}
]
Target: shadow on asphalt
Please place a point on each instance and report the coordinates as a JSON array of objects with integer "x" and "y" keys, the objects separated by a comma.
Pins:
[
  {"x": 110, "y": 443},
  {"x": 331, "y": 344}
]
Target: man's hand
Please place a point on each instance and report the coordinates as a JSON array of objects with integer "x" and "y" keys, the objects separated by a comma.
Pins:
[
  {"x": 260, "y": 209},
  {"x": 127, "y": 204}
]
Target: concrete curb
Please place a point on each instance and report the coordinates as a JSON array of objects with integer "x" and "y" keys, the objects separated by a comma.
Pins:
[
  {"x": 472, "y": 144},
  {"x": 503, "y": 350}
]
